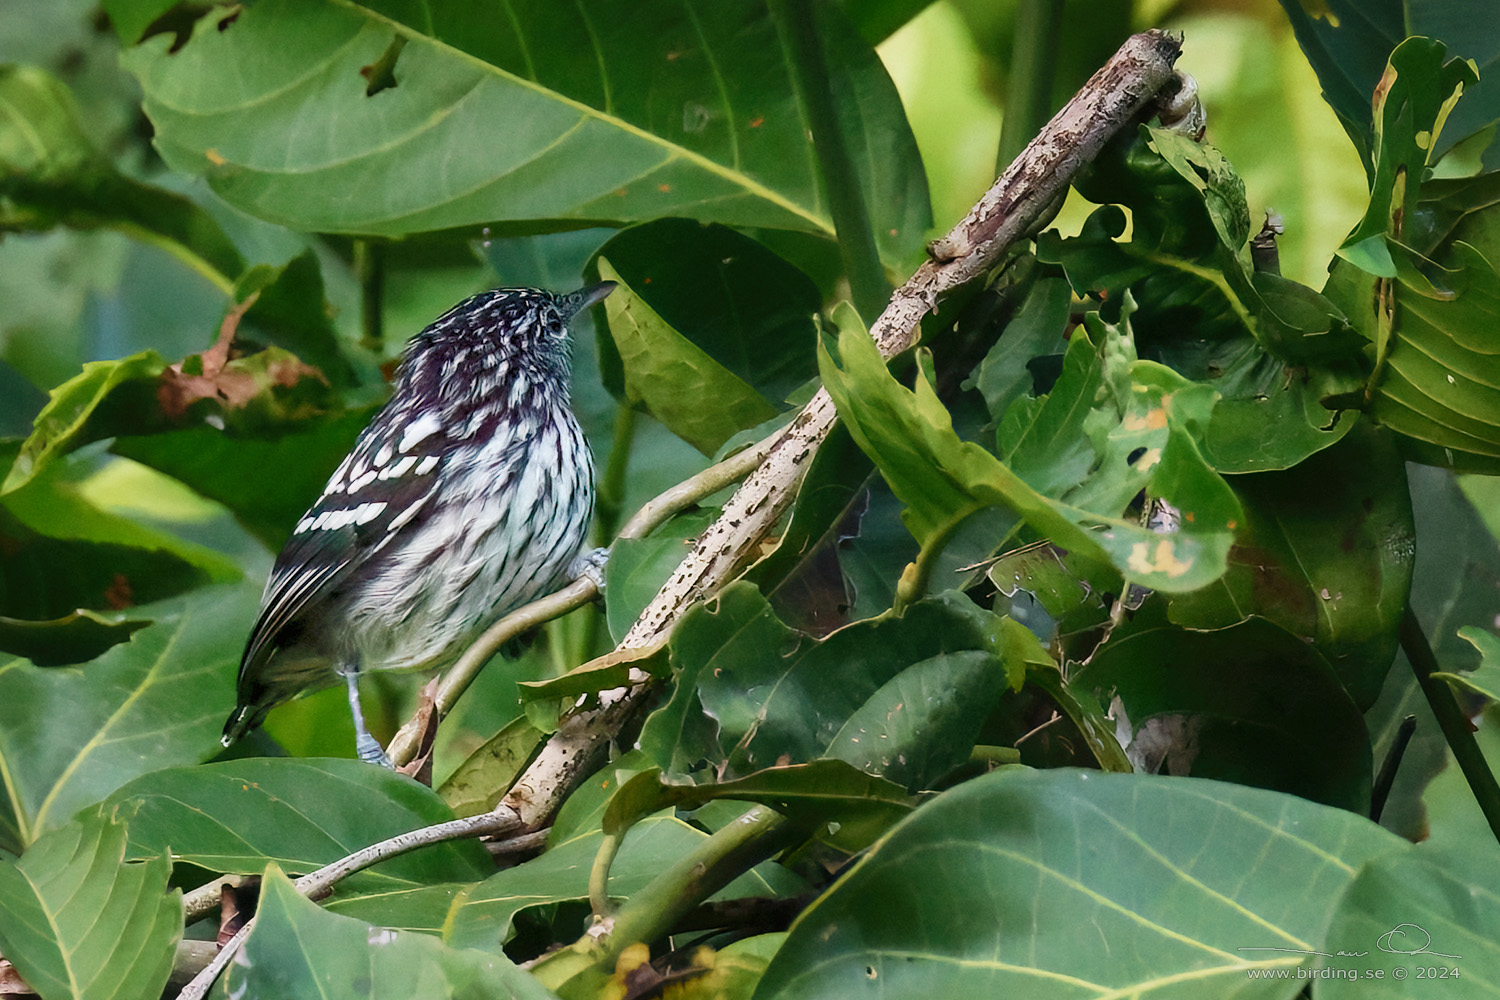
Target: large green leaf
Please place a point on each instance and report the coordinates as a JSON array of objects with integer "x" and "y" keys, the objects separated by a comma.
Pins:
[
  {"x": 1251, "y": 703},
  {"x": 51, "y": 174},
  {"x": 1347, "y": 42},
  {"x": 1143, "y": 436},
  {"x": 712, "y": 285},
  {"x": 1441, "y": 381},
  {"x": 1079, "y": 884},
  {"x": 300, "y": 950},
  {"x": 69, "y": 736},
  {"x": 481, "y": 916},
  {"x": 1414, "y": 918},
  {"x": 236, "y": 816},
  {"x": 604, "y": 111},
  {"x": 673, "y": 378},
  {"x": 1326, "y": 552},
  {"x": 754, "y": 692},
  {"x": 79, "y": 922}
]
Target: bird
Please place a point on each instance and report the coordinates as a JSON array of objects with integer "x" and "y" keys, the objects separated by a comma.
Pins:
[{"x": 467, "y": 495}]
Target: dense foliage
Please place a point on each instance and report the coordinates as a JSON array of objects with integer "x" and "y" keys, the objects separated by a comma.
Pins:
[{"x": 1080, "y": 665}]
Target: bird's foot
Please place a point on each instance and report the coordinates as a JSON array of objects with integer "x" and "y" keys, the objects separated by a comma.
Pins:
[{"x": 590, "y": 565}]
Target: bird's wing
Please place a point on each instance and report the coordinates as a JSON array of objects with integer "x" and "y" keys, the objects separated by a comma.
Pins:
[{"x": 376, "y": 492}]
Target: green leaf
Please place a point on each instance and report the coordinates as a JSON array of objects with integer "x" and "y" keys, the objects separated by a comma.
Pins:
[
  {"x": 1251, "y": 703},
  {"x": 1170, "y": 878},
  {"x": 638, "y": 567},
  {"x": 1413, "y": 101},
  {"x": 50, "y": 174},
  {"x": 292, "y": 313},
  {"x": 235, "y": 816},
  {"x": 710, "y": 284},
  {"x": 483, "y": 778},
  {"x": 297, "y": 949},
  {"x": 1326, "y": 552},
  {"x": 1348, "y": 42},
  {"x": 73, "y": 638},
  {"x": 1036, "y": 329},
  {"x": 51, "y": 506},
  {"x": 482, "y": 916},
  {"x": 69, "y": 736},
  {"x": 1148, "y": 416},
  {"x": 64, "y": 423},
  {"x": 1484, "y": 681},
  {"x": 673, "y": 378},
  {"x": 622, "y": 112},
  {"x": 231, "y": 467},
  {"x": 1411, "y": 914},
  {"x": 1441, "y": 381},
  {"x": 823, "y": 793},
  {"x": 919, "y": 687},
  {"x": 79, "y": 922},
  {"x": 47, "y": 578}
]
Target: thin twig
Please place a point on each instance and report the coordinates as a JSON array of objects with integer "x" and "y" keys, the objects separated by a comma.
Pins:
[
  {"x": 1452, "y": 721},
  {"x": 321, "y": 882}
]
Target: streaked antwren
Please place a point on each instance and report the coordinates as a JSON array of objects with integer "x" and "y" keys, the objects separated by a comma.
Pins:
[{"x": 468, "y": 495}]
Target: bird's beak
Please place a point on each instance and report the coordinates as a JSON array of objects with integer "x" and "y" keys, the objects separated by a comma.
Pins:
[{"x": 585, "y": 297}]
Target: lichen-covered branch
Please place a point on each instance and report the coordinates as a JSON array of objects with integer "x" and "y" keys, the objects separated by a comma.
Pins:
[{"x": 1008, "y": 212}]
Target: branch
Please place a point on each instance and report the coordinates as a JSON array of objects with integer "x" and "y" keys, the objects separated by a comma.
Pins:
[
  {"x": 321, "y": 882},
  {"x": 1008, "y": 212},
  {"x": 1452, "y": 721}
]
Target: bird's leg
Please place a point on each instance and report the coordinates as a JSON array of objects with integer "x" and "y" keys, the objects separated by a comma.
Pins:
[
  {"x": 367, "y": 746},
  {"x": 590, "y": 563}
]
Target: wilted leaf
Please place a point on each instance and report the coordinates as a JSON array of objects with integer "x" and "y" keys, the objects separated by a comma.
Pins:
[{"x": 79, "y": 922}]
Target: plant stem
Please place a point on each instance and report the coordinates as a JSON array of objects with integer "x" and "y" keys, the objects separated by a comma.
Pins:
[
  {"x": 369, "y": 268},
  {"x": 1452, "y": 721},
  {"x": 1033, "y": 69},
  {"x": 653, "y": 911},
  {"x": 846, "y": 202},
  {"x": 612, "y": 483}
]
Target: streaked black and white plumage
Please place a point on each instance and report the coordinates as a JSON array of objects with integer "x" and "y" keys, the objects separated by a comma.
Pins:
[{"x": 468, "y": 495}]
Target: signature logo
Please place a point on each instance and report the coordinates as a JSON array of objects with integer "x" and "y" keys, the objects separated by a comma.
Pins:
[{"x": 1403, "y": 939}]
